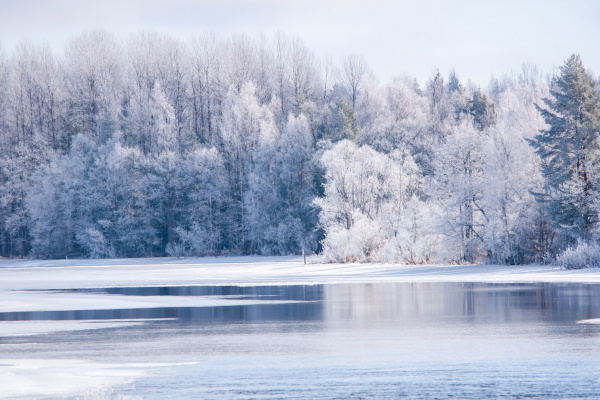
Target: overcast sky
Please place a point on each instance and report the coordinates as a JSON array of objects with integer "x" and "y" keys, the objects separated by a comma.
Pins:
[{"x": 478, "y": 38}]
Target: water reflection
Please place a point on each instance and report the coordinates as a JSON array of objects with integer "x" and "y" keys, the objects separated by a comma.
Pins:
[
  {"x": 378, "y": 340},
  {"x": 479, "y": 302},
  {"x": 361, "y": 303},
  {"x": 279, "y": 292},
  {"x": 221, "y": 314}
]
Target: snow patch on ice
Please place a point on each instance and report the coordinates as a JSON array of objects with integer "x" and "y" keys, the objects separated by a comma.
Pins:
[
  {"x": 592, "y": 321},
  {"x": 28, "y": 328},
  {"x": 22, "y": 301}
]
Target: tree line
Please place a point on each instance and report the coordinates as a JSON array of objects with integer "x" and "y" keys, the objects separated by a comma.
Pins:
[{"x": 154, "y": 145}]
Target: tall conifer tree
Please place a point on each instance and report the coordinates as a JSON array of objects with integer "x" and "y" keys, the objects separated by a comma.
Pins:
[{"x": 569, "y": 150}]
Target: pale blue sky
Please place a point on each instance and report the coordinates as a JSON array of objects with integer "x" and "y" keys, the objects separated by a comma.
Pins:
[{"x": 478, "y": 38}]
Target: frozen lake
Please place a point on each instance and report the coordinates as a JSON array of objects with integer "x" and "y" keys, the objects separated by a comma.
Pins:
[{"x": 320, "y": 341}]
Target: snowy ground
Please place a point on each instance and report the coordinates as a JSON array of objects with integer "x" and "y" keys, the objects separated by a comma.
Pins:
[
  {"x": 68, "y": 274},
  {"x": 34, "y": 285}
]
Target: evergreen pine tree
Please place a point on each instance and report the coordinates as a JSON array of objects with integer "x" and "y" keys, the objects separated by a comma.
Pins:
[{"x": 569, "y": 151}]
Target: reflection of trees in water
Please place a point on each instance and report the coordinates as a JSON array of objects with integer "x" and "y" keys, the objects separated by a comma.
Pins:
[
  {"x": 473, "y": 301},
  {"x": 298, "y": 303},
  {"x": 362, "y": 303},
  {"x": 278, "y": 292},
  {"x": 301, "y": 311}
]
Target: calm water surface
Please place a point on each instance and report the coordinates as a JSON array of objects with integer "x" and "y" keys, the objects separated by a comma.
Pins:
[{"x": 360, "y": 341}]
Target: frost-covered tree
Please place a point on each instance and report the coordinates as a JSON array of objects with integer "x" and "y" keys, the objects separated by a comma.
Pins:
[
  {"x": 400, "y": 121},
  {"x": 460, "y": 179},
  {"x": 304, "y": 78},
  {"x": 122, "y": 217},
  {"x": 458, "y": 98},
  {"x": 246, "y": 128},
  {"x": 142, "y": 75},
  {"x": 372, "y": 105},
  {"x": 164, "y": 190},
  {"x": 93, "y": 81},
  {"x": 352, "y": 201},
  {"x": 163, "y": 135},
  {"x": 513, "y": 233},
  {"x": 94, "y": 199},
  {"x": 511, "y": 175},
  {"x": 370, "y": 206},
  {"x": 439, "y": 101},
  {"x": 173, "y": 74},
  {"x": 51, "y": 213},
  {"x": 354, "y": 71},
  {"x": 481, "y": 110},
  {"x": 569, "y": 149},
  {"x": 4, "y": 102},
  {"x": 17, "y": 168},
  {"x": 199, "y": 224},
  {"x": 282, "y": 180},
  {"x": 36, "y": 106},
  {"x": 160, "y": 110},
  {"x": 207, "y": 86},
  {"x": 240, "y": 62}
]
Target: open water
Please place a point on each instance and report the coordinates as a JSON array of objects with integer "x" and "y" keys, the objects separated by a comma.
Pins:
[{"x": 344, "y": 341}]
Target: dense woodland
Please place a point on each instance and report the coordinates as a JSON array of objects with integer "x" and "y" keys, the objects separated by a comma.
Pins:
[{"x": 151, "y": 145}]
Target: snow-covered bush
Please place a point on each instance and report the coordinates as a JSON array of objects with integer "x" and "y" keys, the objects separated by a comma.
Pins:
[
  {"x": 195, "y": 241},
  {"x": 371, "y": 210},
  {"x": 585, "y": 255},
  {"x": 95, "y": 244},
  {"x": 360, "y": 243},
  {"x": 176, "y": 250}
]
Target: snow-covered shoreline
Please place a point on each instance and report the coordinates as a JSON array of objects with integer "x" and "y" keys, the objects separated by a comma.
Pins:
[{"x": 256, "y": 270}]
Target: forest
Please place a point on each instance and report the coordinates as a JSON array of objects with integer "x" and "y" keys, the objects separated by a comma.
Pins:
[{"x": 152, "y": 145}]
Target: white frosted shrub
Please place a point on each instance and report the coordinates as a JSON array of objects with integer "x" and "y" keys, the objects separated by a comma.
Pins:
[
  {"x": 357, "y": 244},
  {"x": 193, "y": 242},
  {"x": 370, "y": 211},
  {"x": 95, "y": 244},
  {"x": 585, "y": 255}
]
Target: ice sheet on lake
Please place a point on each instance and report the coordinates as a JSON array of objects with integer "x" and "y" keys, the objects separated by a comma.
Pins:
[
  {"x": 27, "y": 328},
  {"x": 23, "y": 301}
]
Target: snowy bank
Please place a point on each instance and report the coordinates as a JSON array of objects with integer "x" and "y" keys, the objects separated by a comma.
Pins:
[{"x": 254, "y": 270}]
